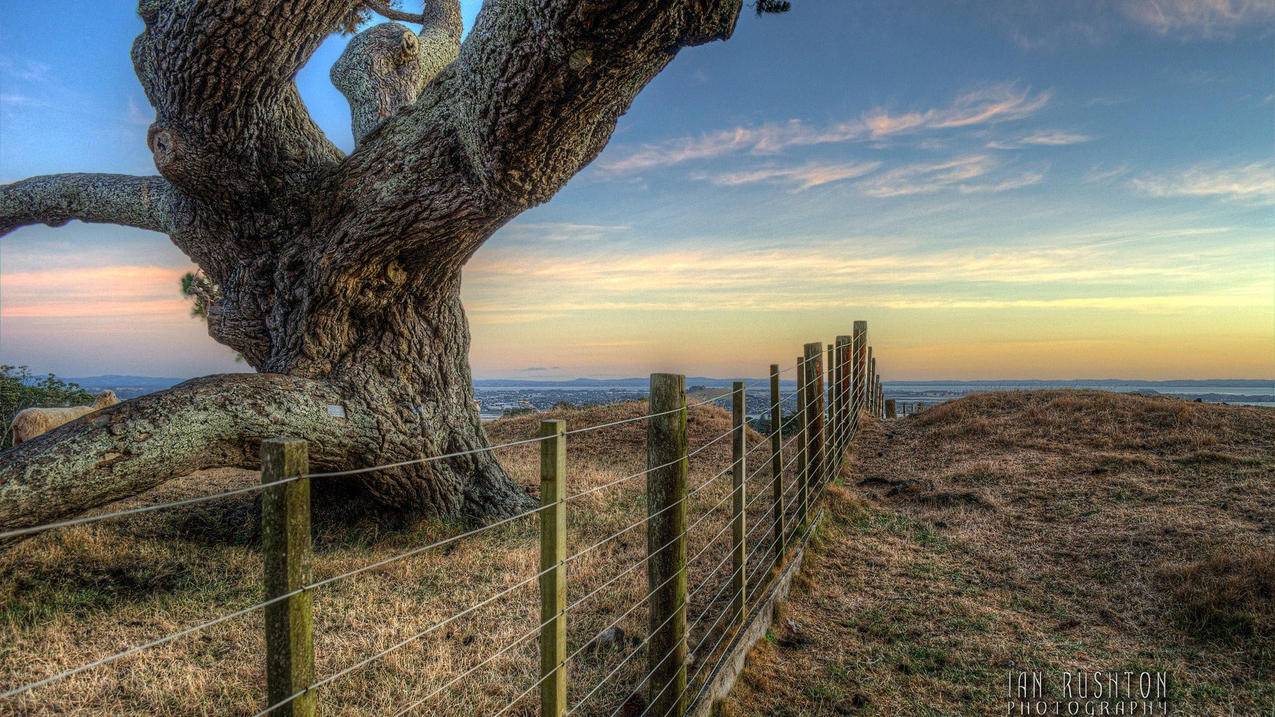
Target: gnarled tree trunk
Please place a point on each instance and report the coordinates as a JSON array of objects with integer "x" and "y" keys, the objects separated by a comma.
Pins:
[{"x": 338, "y": 277}]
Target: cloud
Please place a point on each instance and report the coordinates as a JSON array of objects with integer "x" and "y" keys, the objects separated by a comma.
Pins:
[
  {"x": 1026, "y": 179},
  {"x": 135, "y": 115},
  {"x": 1252, "y": 183},
  {"x": 117, "y": 291},
  {"x": 930, "y": 177},
  {"x": 1101, "y": 173},
  {"x": 827, "y": 274},
  {"x": 11, "y": 99},
  {"x": 1203, "y": 19},
  {"x": 987, "y": 105},
  {"x": 799, "y": 178},
  {"x": 1042, "y": 138},
  {"x": 24, "y": 70},
  {"x": 561, "y": 231}
]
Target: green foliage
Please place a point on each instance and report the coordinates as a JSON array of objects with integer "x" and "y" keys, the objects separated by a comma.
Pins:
[
  {"x": 19, "y": 390},
  {"x": 202, "y": 293},
  {"x": 193, "y": 288}
]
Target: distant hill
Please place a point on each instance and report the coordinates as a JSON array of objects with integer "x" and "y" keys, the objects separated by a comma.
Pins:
[
  {"x": 1210, "y": 390},
  {"x": 126, "y": 386}
]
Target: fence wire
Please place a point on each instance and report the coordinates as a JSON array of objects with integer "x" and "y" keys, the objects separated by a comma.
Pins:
[{"x": 845, "y": 427}]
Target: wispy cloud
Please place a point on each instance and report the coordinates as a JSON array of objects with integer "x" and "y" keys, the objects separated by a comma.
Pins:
[
  {"x": 1025, "y": 179},
  {"x": 134, "y": 114},
  {"x": 12, "y": 99},
  {"x": 1042, "y": 138},
  {"x": 1101, "y": 173},
  {"x": 1208, "y": 19},
  {"x": 823, "y": 274},
  {"x": 955, "y": 174},
  {"x": 119, "y": 291},
  {"x": 561, "y": 231},
  {"x": 1253, "y": 183},
  {"x": 986, "y": 105},
  {"x": 799, "y": 178},
  {"x": 24, "y": 70}
]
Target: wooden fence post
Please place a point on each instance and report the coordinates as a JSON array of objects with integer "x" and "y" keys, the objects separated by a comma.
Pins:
[
  {"x": 860, "y": 368},
  {"x": 843, "y": 396},
  {"x": 776, "y": 457},
  {"x": 666, "y": 493},
  {"x": 871, "y": 394},
  {"x": 815, "y": 444},
  {"x": 553, "y": 575},
  {"x": 737, "y": 449},
  {"x": 288, "y": 567},
  {"x": 830, "y": 415},
  {"x": 803, "y": 454},
  {"x": 876, "y": 405},
  {"x": 891, "y": 410}
]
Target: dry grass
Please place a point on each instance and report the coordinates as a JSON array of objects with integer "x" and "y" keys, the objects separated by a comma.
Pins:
[
  {"x": 75, "y": 595},
  {"x": 1046, "y": 530}
]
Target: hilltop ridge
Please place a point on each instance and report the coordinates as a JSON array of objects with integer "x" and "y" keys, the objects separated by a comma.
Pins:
[{"x": 1053, "y": 531}]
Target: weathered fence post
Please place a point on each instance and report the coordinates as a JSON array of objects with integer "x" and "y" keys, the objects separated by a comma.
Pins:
[
  {"x": 860, "y": 368},
  {"x": 871, "y": 406},
  {"x": 843, "y": 396},
  {"x": 803, "y": 453},
  {"x": 288, "y": 566},
  {"x": 739, "y": 580},
  {"x": 831, "y": 370},
  {"x": 890, "y": 408},
  {"x": 553, "y": 575},
  {"x": 776, "y": 457},
  {"x": 830, "y": 414},
  {"x": 815, "y": 443},
  {"x": 666, "y": 493}
]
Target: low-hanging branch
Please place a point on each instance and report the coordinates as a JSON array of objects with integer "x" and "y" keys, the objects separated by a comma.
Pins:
[{"x": 55, "y": 199}]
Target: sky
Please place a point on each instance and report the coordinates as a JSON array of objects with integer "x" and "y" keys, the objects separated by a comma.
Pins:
[{"x": 1002, "y": 189}]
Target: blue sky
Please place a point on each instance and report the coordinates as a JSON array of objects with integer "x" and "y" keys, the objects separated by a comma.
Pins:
[{"x": 1003, "y": 189}]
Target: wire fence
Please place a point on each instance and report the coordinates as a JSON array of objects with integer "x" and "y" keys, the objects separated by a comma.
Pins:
[{"x": 769, "y": 513}]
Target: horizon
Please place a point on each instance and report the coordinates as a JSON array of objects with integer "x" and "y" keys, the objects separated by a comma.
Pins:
[
  {"x": 758, "y": 377},
  {"x": 1088, "y": 190}
]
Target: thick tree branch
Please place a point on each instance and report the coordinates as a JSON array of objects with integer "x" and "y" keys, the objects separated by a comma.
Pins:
[
  {"x": 231, "y": 129},
  {"x": 386, "y": 66},
  {"x": 389, "y": 13},
  {"x": 55, "y": 199},
  {"x": 136, "y": 445},
  {"x": 533, "y": 97}
]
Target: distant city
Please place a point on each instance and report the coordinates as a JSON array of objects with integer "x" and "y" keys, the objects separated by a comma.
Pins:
[{"x": 498, "y": 397}]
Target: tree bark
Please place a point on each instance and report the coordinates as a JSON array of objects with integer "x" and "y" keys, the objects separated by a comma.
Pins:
[{"x": 339, "y": 277}]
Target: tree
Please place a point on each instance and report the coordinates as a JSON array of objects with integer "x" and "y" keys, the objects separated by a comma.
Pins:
[{"x": 338, "y": 277}]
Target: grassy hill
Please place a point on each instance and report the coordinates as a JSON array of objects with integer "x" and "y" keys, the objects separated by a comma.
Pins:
[
  {"x": 1034, "y": 530},
  {"x": 1051, "y": 531},
  {"x": 75, "y": 595}
]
